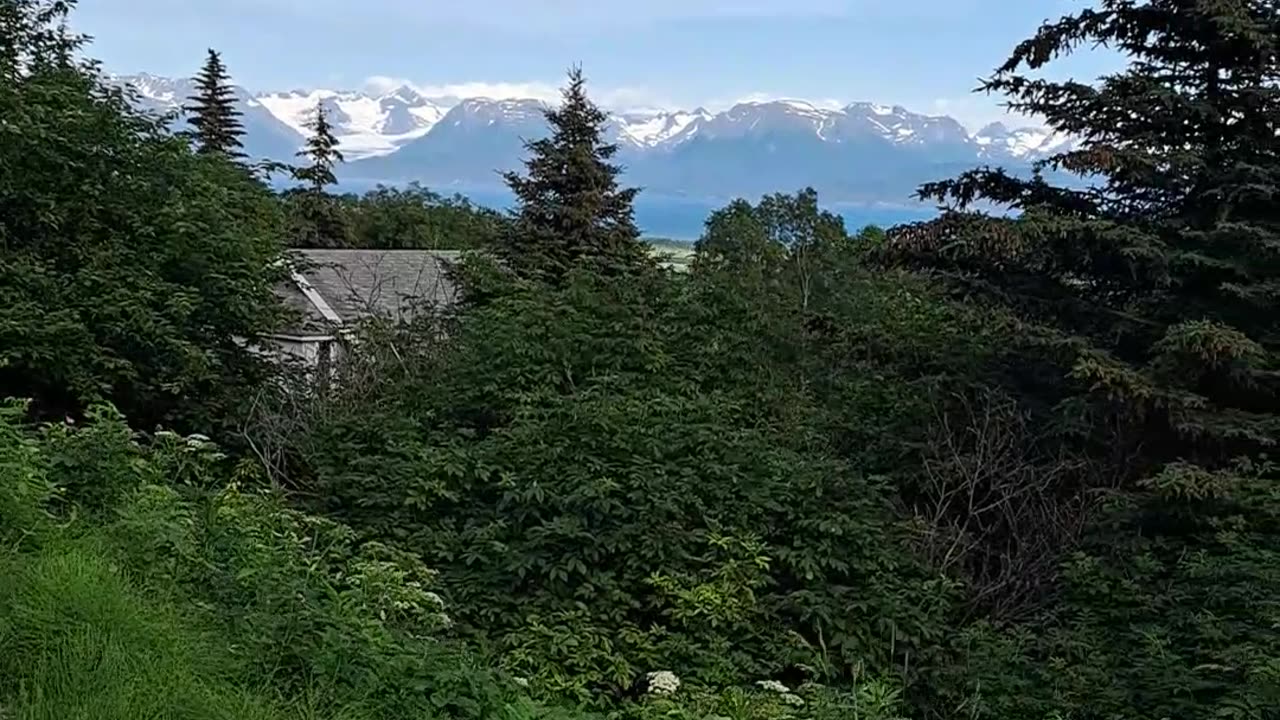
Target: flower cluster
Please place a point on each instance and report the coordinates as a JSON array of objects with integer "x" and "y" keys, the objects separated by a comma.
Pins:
[
  {"x": 784, "y": 693},
  {"x": 773, "y": 686},
  {"x": 662, "y": 682}
]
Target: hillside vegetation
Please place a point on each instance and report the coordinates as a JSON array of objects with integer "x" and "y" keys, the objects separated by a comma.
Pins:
[{"x": 1013, "y": 467}]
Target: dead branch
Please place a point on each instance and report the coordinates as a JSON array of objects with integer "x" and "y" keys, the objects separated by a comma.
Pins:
[{"x": 996, "y": 509}]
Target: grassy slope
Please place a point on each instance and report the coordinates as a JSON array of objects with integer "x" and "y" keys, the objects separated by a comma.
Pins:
[{"x": 79, "y": 641}]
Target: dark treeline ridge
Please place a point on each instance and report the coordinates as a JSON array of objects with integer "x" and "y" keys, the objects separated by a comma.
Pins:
[{"x": 996, "y": 467}]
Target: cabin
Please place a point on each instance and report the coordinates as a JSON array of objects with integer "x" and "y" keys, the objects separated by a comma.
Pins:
[{"x": 332, "y": 290}]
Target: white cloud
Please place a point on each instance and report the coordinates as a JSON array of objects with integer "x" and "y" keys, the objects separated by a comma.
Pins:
[
  {"x": 494, "y": 90},
  {"x": 760, "y": 97}
]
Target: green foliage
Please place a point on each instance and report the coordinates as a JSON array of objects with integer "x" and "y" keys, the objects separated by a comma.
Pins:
[
  {"x": 1175, "y": 624},
  {"x": 608, "y": 487},
  {"x": 410, "y": 218},
  {"x": 1149, "y": 352},
  {"x": 1173, "y": 254},
  {"x": 87, "y": 645},
  {"x": 322, "y": 152},
  {"x": 317, "y": 219},
  {"x": 128, "y": 264},
  {"x": 212, "y": 113},
  {"x": 871, "y": 699},
  {"x": 203, "y": 598},
  {"x": 983, "y": 467},
  {"x": 781, "y": 240},
  {"x": 571, "y": 212},
  {"x": 737, "y": 239}
]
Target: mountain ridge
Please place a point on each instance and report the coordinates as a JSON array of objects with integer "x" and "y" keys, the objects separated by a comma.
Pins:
[{"x": 861, "y": 152}]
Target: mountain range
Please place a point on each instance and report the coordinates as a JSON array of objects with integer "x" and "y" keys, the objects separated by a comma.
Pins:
[{"x": 861, "y": 153}]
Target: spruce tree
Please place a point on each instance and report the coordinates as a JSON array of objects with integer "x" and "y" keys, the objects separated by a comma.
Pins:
[
  {"x": 322, "y": 150},
  {"x": 317, "y": 219},
  {"x": 1167, "y": 267},
  {"x": 214, "y": 118},
  {"x": 1149, "y": 292},
  {"x": 571, "y": 211}
]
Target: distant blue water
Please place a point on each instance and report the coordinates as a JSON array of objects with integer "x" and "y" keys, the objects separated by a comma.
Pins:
[{"x": 682, "y": 218}]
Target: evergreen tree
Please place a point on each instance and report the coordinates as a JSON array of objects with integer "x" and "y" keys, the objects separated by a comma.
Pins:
[
  {"x": 322, "y": 150},
  {"x": 571, "y": 210},
  {"x": 1151, "y": 294},
  {"x": 214, "y": 118},
  {"x": 1168, "y": 268},
  {"x": 318, "y": 219}
]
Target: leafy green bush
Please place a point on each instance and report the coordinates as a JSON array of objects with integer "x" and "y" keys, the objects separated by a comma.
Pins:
[
  {"x": 390, "y": 218},
  {"x": 199, "y": 598},
  {"x": 608, "y": 488},
  {"x": 129, "y": 265},
  {"x": 1177, "y": 619}
]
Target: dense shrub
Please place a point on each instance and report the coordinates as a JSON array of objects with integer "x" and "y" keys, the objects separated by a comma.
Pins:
[
  {"x": 390, "y": 218},
  {"x": 182, "y": 594},
  {"x": 985, "y": 467},
  {"x": 129, "y": 265},
  {"x": 624, "y": 476}
]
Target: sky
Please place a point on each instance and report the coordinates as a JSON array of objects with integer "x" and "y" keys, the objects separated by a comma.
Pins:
[{"x": 927, "y": 55}]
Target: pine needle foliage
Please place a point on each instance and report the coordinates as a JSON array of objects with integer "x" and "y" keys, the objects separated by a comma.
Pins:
[
  {"x": 215, "y": 121},
  {"x": 571, "y": 210},
  {"x": 1149, "y": 296},
  {"x": 322, "y": 152}
]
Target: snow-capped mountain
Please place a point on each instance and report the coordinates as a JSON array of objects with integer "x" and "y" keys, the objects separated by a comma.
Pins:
[
  {"x": 366, "y": 125},
  {"x": 266, "y": 135},
  {"x": 997, "y": 141},
  {"x": 862, "y": 151},
  {"x": 652, "y": 128}
]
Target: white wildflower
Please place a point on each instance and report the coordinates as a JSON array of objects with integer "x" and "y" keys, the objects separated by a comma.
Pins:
[
  {"x": 663, "y": 682},
  {"x": 773, "y": 686},
  {"x": 791, "y": 699},
  {"x": 521, "y": 681}
]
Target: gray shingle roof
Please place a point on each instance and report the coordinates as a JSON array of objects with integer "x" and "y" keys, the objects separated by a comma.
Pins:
[{"x": 358, "y": 284}]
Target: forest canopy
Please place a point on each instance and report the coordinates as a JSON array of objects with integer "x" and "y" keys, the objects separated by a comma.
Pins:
[{"x": 995, "y": 465}]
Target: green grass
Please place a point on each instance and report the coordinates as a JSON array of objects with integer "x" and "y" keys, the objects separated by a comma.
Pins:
[
  {"x": 79, "y": 642},
  {"x": 147, "y": 603}
]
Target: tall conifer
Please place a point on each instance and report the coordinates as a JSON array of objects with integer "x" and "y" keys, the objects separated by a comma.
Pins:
[
  {"x": 322, "y": 152},
  {"x": 214, "y": 118},
  {"x": 319, "y": 219},
  {"x": 1166, "y": 272},
  {"x": 571, "y": 210},
  {"x": 1149, "y": 295}
]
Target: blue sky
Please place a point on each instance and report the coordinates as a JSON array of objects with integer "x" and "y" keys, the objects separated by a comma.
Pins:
[{"x": 924, "y": 54}]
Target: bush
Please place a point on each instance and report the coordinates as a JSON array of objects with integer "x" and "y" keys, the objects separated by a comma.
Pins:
[
  {"x": 130, "y": 267},
  {"x": 389, "y": 218},
  {"x": 607, "y": 488},
  {"x": 204, "y": 598}
]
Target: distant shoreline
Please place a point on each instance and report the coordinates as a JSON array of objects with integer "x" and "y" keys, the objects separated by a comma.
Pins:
[{"x": 680, "y": 219}]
